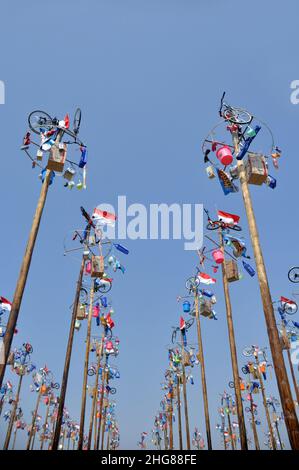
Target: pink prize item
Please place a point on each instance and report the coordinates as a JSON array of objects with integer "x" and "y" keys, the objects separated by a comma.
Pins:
[
  {"x": 109, "y": 346},
  {"x": 88, "y": 267},
  {"x": 95, "y": 311},
  {"x": 218, "y": 256},
  {"x": 224, "y": 155}
]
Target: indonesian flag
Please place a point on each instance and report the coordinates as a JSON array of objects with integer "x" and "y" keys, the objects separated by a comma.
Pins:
[
  {"x": 228, "y": 218},
  {"x": 287, "y": 303},
  {"x": 9, "y": 385},
  {"x": 67, "y": 121},
  {"x": 103, "y": 217},
  {"x": 206, "y": 279},
  {"x": 5, "y": 304},
  {"x": 109, "y": 321},
  {"x": 182, "y": 323}
]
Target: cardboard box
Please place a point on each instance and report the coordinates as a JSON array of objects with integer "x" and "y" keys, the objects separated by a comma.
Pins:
[
  {"x": 256, "y": 169},
  {"x": 57, "y": 158},
  {"x": 231, "y": 269},
  {"x": 97, "y": 266}
]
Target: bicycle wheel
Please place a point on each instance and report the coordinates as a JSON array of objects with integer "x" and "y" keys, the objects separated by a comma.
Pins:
[
  {"x": 212, "y": 225},
  {"x": 245, "y": 370},
  {"x": 237, "y": 116},
  {"x": 237, "y": 228},
  {"x": 56, "y": 386},
  {"x": 173, "y": 337},
  {"x": 38, "y": 120},
  {"x": 112, "y": 391},
  {"x": 90, "y": 372},
  {"x": 192, "y": 283},
  {"x": 293, "y": 274},
  {"x": 247, "y": 352},
  {"x": 105, "y": 287},
  {"x": 290, "y": 309},
  {"x": 77, "y": 121},
  {"x": 83, "y": 295},
  {"x": 189, "y": 323},
  {"x": 231, "y": 384}
]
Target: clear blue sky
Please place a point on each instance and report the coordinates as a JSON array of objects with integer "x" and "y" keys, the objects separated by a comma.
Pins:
[{"x": 148, "y": 75}]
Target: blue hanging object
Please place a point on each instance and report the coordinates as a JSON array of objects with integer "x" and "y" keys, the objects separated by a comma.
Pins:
[
  {"x": 83, "y": 159},
  {"x": 246, "y": 144},
  {"x": 271, "y": 182},
  {"x": 186, "y": 306},
  {"x": 121, "y": 248},
  {"x": 226, "y": 184},
  {"x": 98, "y": 321},
  {"x": 249, "y": 269},
  {"x": 43, "y": 175},
  {"x": 104, "y": 302},
  {"x": 207, "y": 293}
]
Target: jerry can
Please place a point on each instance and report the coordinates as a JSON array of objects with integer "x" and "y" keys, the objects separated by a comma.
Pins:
[
  {"x": 81, "y": 312},
  {"x": 57, "y": 157},
  {"x": 97, "y": 266},
  {"x": 186, "y": 306},
  {"x": 77, "y": 325}
]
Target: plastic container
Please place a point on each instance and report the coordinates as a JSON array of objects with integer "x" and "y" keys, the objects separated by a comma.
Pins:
[
  {"x": 218, "y": 256},
  {"x": 224, "y": 155},
  {"x": 186, "y": 306}
]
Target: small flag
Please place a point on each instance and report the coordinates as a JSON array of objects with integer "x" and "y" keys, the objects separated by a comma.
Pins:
[
  {"x": 206, "y": 279},
  {"x": 109, "y": 321},
  {"x": 182, "y": 323},
  {"x": 103, "y": 217},
  {"x": 67, "y": 121},
  {"x": 228, "y": 218}
]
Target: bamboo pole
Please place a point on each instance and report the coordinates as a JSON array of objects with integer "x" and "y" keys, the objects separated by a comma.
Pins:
[
  {"x": 108, "y": 440},
  {"x": 165, "y": 437},
  {"x": 104, "y": 377},
  {"x": 230, "y": 431},
  {"x": 104, "y": 425},
  {"x": 273, "y": 442},
  {"x": 170, "y": 420},
  {"x": 278, "y": 435},
  {"x": 203, "y": 373},
  {"x": 284, "y": 388},
  {"x": 45, "y": 425},
  {"x": 84, "y": 387},
  {"x": 34, "y": 419},
  {"x": 67, "y": 360},
  {"x": 185, "y": 398},
  {"x": 33, "y": 439},
  {"x": 13, "y": 414},
  {"x": 93, "y": 415},
  {"x": 179, "y": 413},
  {"x": 293, "y": 376},
  {"x": 253, "y": 424},
  {"x": 25, "y": 266},
  {"x": 14, "y": 438},
  {"x": 233, "y": 352}
]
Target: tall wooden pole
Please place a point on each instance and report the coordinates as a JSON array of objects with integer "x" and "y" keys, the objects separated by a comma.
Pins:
[
  {"x": 165, "y": 436},
  {"x": 272, "y": 437},
  {"x": 178, "y": 392},
  {"x": 233, "y": 352},
  {"x": 13, "y": 414},
  {"x": 34, "y": 419},
  {"x": 278, "y": 435},
  {"x": 104, "y": 424},
  {"x": 14, "y": 438},
  {"x": 185, "y": 398},
  {"x": 67, "y": 360},
  {"x": 84, "y": 387},
  {"x": 45, "y": 425},
  {"x": 93, "y": 415},
  {"x": 284, "y": 388},
  {"x": 170, "y": 421},
  {"x": 203, "y": 373},
  {"x": 293, "y": 376},
  {"x": 104, "y": 378},
  {"x": 253, "y": 424},
  {"x": 230, "y": 431},
  {"x": 25, "y": 266}
]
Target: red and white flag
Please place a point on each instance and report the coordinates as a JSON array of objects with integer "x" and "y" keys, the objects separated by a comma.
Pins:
[
  {"x": 103, "y": 217},
  {"x": 182, "y": 323},
  {"x": 206, "y": 279},
  {"x": 228, "y": 218},
  {"x": 109, "y": 321},
  {"x": 5, "y": 304}
]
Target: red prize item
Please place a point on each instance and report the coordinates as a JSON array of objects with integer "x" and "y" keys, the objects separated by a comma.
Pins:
[
  {"x": 96, "y": 311},
  {"x": 224, "y": 155},
  {"x": 182, "y": 323},
  {"x": 109, "y": 321},
  {"x": 218, "y": 256},
  {"x": 88, "y": 267},
  {"x": 67, "y": 121}
]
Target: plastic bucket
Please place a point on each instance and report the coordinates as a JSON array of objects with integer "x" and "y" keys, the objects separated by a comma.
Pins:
[
  {"x": 224, "y": 155},
  {"x": 186, "y": 307},
  {"x": 218, "y": 256}
]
